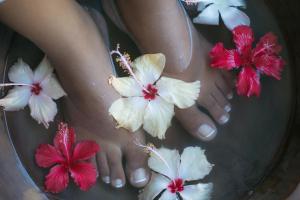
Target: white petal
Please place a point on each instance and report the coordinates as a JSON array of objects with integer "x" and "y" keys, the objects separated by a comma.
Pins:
[
  {"x": 194, "y": 165},
  {"x": 237, "y": 3},
  {"x": 209, "y": 15},
  {"x": 202, "y": 4},
  {"x": 166, "y": 162},
  {"x": 126, "y": 86},
  {"x": 168, "y": 196},
  {"x": 43, "y": 70},
  {"x": 178, "y": 92},
  {"x": 156, "y": 185},
  {"x": 129, "y": 112},
  {"x": 158, "y": 116},
  {"x": 52, "y": 87},
  {"x": 20, "y": 72},
  {"x": 149, "y": 67},
  {"x": 233, "y": 17},
  {"x": 42, "y": 108},
  {"x": 16, "y": 99},
  {"x": 197, "y": 192}
]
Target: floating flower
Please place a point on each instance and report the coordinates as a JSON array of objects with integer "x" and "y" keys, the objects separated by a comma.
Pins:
[
  {"x": 65, "y": 159},
  {"x": 147, "y": 98},
  {"x": 36, "y": 89},
  {"x": 263, "y": 59},
  {"x": 173, "y": 172},
  {"x": 210, "y": 10}
]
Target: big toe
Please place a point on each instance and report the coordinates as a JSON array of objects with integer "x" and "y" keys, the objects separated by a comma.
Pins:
[{"x": 197, "y": 123}]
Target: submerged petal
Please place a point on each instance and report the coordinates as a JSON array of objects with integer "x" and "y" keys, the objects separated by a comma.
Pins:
[
  {"x": 129, "y": 112},
  {"x": 84, "y": 175},
  {"x": 243, "y": 38},
  {"x": 233, "y": 17},
  {"x": 166, "y": 162},
  {"x": 248, "y": 82},
  {"x": 52, "y": 87},
  {"x": 42, "y": 108},
  {"x": 197, "y": 192},
  {"x": 270, "y": 65},
  {"x": 16, "y": 99},
  {"x": 84, "y": 150},
  {"x": 167, "y": 195},
  {"x": 209, "y": 15},
  {"x": 20, "y": 72},
  {"x": 157, "y": 184},
  {"x": 237, "y": 3},
  {"x": 47, "y": 155},
  {"x": 126, "y": 86},
  {"x": 158, "y": 116},
  {"x": 194, "y": 165},
  {"x": 149, "y": 67},
  {"x": 178, "y": 92},
  {"x": 57, "y": 180},
  {"x": 43, "y": 70}
]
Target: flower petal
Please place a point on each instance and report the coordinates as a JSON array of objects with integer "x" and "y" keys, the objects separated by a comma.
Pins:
[
  {"x": 178, "y": 92},
  {"x": 243, "y": 38},
  {"x": 126, "y": 86},
  {"x": 233, "y": 17},
  {"x": 270, "y": 65},
  {"x": 149, "y": 67},
  {"x": 52, "y": 87},
  {"x": 42, "y": 108},
  {"x": 129, "y": 112},
  {"x": 237, "y": 3},
  {"x": 64, "y": 139},
  {"x": 222, "y": 58},
  {"x": 16, "y": 99},
  {"x": 158, "y": 116},
  {"x": 20, "y": 72},
  {"x": 194, "y": 164},
  {"x": 197, "y": 192},
  {"x": 57, "y": 180},
  {"x": 157, "y": 184},
  {"x": 268, "y": 44},
  {"x": 85, "y": 150},
  {"x": 84, "y": 175},
  {"x": 43, "y": 70},
  {"x": 168, "y": 196},
  {"x": 165, "y": 161},
  {"x": 47, "y": 155},
  {"x": 209, "y": 15},
  {"x": 248, "y": 82}
]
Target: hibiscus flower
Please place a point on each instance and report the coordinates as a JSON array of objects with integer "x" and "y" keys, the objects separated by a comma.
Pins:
[
  {"x": 210, "y": 10},
  {"x": 65, "y": 159},
  {"x": 147, "y": 98},
  {"x": 263, "y": 59},
  {"x": 173, "y": 172},
  {"x": 36, "y": 89}
]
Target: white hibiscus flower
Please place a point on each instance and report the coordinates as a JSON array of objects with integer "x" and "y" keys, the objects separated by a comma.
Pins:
[
  {"x": 147, "y": 98},
  {"x": 36, "y": 89},
  {"x": 232, "y": 16},
  {"x": 172, "y": 171}
]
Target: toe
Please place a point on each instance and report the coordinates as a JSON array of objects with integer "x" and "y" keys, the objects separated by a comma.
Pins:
[
  {"x": 136, "y": 166},
  {"x": 199, "y": 125},
  {"x": 103, "y": 167},
  {"x": 117, "y": 176},
  {"x": 221, "y": 100},
  {"x": 224, "y": 86},
  {"x": 216, "y": 111}
]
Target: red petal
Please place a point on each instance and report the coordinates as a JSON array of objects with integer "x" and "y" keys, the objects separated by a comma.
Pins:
[
  {"x": 65, "y": 139},
  {"x": 243, "y": 38},
  {"x": 84, "y": 175},
  {"x": 46, "y": 155},
  {"x": 268, "y": 44},
  {"x": 57, "y": 180},
  {"x": 270, "y": 65},
  {"x": 85, "y": 150},
  {"x": 223, "y": 58},
  {"x": 248, "y": 83}
]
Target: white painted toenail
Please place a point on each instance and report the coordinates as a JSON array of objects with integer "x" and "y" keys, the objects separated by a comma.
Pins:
[
  {"x": 230, "y": 96},
  {"x": 118, "y": 183},
  {"x": 227, "y": 108},
  {"x": 106, "y": 179},
  {"x": 206, "y": 131},
  {"x": 224, "y": 119},
  {"x": 139, "y": 176}
]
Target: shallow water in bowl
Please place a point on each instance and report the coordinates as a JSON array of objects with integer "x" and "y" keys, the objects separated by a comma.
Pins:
[{"x": 242, "y": 151}]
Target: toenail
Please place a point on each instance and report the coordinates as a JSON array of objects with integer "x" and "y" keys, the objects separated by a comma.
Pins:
[
  {"x": 224, "y": 119},
  {"x": 139, "y": 176},
  {"x": 229, "y": 96},
  {"x": 206, "y": 131},
  {"x": 118, "y": 183},
  {"x": 227, "y": 108},
  {"x": 106, "y": 179}
]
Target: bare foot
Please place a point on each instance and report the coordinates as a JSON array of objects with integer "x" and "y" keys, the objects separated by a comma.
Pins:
[{"x": 166, "y": 29}]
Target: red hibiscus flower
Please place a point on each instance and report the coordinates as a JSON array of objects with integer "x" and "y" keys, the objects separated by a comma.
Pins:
[
  {"x": 263, "y": 59},
  {"x": 65, "y": 159}
]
